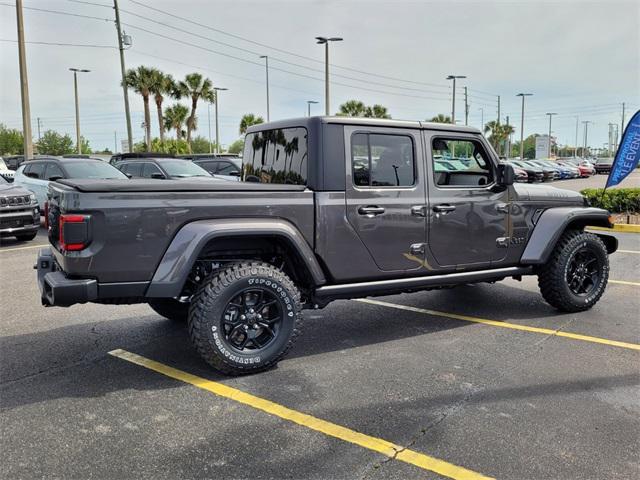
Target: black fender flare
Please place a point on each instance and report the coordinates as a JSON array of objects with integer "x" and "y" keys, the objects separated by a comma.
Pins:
[
  {"x": 554, "y": 221},
  {"x": 179, "y": 258}
]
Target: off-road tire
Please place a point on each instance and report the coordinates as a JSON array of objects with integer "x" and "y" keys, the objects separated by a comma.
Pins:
[
  {"x": 552, "y": 277},
  {"x": 209, "y": 304},
  {"x": 26, "y": 237},
  {"x": 170, "y": 308}
]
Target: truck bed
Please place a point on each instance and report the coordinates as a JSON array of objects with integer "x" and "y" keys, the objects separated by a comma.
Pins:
[{"x": 187, "y": 185}]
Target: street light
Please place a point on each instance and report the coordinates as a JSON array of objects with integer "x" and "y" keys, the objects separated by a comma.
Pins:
[
  {"x": 266, "y": 65},
  {"x": 309, "y": 102},
  {"x": 453, "y": 103},
  {"x": 551, "y": 114},
  {"x": 481, "y": 119},
  {"x": 75, "y": 89},
  {"x": 218, "y": 89},
  {"x": 522, "y": 123},
  {"x": 325, "y": 41}
]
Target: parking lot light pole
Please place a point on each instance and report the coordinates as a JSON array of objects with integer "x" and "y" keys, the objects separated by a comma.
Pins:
[
  {"x": 266, "y": 66},
  {"x": 586, "y": 134},
  {"x": 75, "y": 89},
  {"x": 453, "y": 102},
  {"x": 325, "y": 41},
  {"x": 24, "y": 85},
  {"x": 551, "y": 114},
  {"x": 522, "y": 123},
  {"x": 309, "y": 103},
  {"x": 218, "y": 89}
]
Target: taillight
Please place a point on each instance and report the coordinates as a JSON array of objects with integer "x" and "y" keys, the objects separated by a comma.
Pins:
[
  {"x": 46, "y": 215},
  {"x": 73, "y": 232}
]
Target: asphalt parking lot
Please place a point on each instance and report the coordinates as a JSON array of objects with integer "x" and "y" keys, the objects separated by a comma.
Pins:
[{"x": 484, "y": 380}]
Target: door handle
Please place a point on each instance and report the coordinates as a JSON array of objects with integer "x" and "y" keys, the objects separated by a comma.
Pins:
[
  {"x": 444, "y": 208},
  {"x": 419, "y": 211},
  {"x": 371, "y": 210}
]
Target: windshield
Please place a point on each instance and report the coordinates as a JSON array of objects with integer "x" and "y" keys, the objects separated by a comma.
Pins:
[
  {"x": 3, "y": 166},
  {"x": 183, "y": 168},
  {"x": 92, "y": 169}
]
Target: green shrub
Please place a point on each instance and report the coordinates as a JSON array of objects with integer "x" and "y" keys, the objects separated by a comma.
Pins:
[{"x": 616, "y": 200}]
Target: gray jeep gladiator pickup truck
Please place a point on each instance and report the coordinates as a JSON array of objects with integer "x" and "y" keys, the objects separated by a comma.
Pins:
[{"x": 330, "y": 208}]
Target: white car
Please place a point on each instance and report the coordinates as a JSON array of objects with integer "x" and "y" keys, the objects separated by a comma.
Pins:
[
  {"x": 5, "y": 172},
  {"x": 35, "y": 175}
]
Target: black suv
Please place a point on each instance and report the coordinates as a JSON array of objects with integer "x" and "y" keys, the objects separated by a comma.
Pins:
[
  {"x": 161, "y": 168},
  {"x": 224, "y": 165}
]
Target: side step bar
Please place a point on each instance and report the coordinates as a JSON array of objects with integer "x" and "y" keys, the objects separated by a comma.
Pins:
[{"x": 383, "y": 287}]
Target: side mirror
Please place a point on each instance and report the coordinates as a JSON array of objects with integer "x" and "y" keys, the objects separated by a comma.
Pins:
[
  {"x": 158, "y": 176},
  {"x": 54, "y": 178},
  {"x": 506, "y": 174},
  {"x": 234, "y": 173}
]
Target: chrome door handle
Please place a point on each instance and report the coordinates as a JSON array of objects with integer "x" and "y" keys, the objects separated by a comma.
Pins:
[
  {"x": 371, "y": 210},
  {"x": 444, "y": 208},
  {"x": 419, "y": 211}
]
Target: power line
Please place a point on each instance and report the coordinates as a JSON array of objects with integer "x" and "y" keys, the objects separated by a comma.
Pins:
[
  {"x": 58, "y": 12},
  {"x": 87, "y": 45}
]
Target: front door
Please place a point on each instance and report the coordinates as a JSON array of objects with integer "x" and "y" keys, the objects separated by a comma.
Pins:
[
  {"x": 386, "y": 194},
  {"x": 468, "y": 211}
]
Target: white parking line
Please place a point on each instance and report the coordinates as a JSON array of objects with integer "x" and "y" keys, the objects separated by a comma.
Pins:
[{"x": 23, "y": 248}]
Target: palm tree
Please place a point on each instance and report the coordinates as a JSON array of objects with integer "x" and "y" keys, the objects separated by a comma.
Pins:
[
  {"x": 352, "y": 108},
  {"x": 175, "y": 117},
  {"x": 248, "y": 120},
  {"x": 441, "y": 118},
  {"x": 195, "y": 87},
  {"x": 499, "y": 133},
  {"x": 140, "y": 81},
  {"x": 377, "y": 111},
  {"x": 161, "y": 84}
]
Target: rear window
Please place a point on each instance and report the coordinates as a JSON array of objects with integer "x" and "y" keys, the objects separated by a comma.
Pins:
[
  {"x": 276, "y": 156},
  {"x": 92, "y": 169},
  {"x": 183, "y": 168}
]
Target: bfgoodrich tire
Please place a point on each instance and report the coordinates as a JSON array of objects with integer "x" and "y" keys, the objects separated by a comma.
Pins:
[
  {"x": 170, "y": 308},
  {"x": 576, "y": 275},
  {"x": 245, "y": 318}
]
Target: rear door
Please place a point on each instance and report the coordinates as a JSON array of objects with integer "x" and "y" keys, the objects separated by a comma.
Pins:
[
  {"x": 386, "y": 194},
  {"x": 468, "y": 211},
  {"x": 133, "y": 169},
  {"x": 35, "y": 181}
]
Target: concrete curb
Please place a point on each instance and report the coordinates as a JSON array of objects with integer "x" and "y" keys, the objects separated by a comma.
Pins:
[{"x": 620, "y": 227}]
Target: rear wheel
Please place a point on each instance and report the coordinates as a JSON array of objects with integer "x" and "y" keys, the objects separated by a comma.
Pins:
[
  {"x": 170, "y": 308},
  {"x": 245, "y": 318},
  {"x": 576, "y": 275}
]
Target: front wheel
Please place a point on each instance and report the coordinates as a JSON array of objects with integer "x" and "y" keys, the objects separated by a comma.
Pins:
[
  {"x": 245, "y": 318},
  {"x": 574, "y": 278}
]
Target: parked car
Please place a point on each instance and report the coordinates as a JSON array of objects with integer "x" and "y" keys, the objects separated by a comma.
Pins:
[
  {"x": 35, "y": 175},
  {"x": 5, "y": 172},
  {"x": 163, "y": 169},
  {"x": 19, "y": 212},
  {"x": 573, "y": 169},
  {"x": 562, "y": 172},
  {"x": 227, "y": 167},
  {"x": 534, "y": 173},
  {"x": 549, "y": 174},
  {"x": 118, "y": 157},
  {"x": 239, "y": 261},
  {"x": 603, "y": 165},
  {"x": 521, "y": 174},
  {"x": 13, "y": 161},
  {"x": 584, "y": 166}
]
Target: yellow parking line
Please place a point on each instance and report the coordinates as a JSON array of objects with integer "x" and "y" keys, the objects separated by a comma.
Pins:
[
  {"x": 388, "y": 449},
  {"x": 23, "y": 248},
  {"x": 513, "y": 326},
  {"x": 623, "y": 282}
]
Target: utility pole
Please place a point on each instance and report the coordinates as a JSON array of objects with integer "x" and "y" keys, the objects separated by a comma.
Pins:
[
  {"x": 125, "y": 90},
  {"x": 550, "y": 117},
  {"x": 466, "y": 107},
  {"x": 498, "y": 109},
  {"x": 586, "y": 133},
  {"x": 38, "y": 129},
  {"x": 481, "y": 119},
  {"x": 209, "y": 121},
  {"x": 115, "y": 141},
  {"x": 266, "y": 65},
  {"x": 453, "y": 101},
  {"x": 325, "y": 41},
  {"x": 610, "y": 143},
  {"x": 508, "y": 142},
  {"x": 75, "y": 90},
  {"x": 575, "y": 150},
  {"x": 522, "y": 123},
  {"x": 622, "y": 122},
  {"x": 24, "y": 85},
  {"x": 218, "y": 89}
]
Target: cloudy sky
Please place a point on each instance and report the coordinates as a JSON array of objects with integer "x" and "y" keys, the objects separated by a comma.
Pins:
[{"x": 579, "y": 59}]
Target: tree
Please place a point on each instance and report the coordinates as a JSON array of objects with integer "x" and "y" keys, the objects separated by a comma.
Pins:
[
  {"x": 356, "y": 108},
  {"x": 247, "y": 120},
  {"x": 52, "y": 143},
  {"x": 161, "y": 84},
  {"x": 441, "y": 118},
  {"x": 84, "y": 145},
  {"x": 377, "y": 111},
  {"x": 11, "y": 141},
  {"x": 201, "y": 145},
  {"x": 236, "y": 147},
  {"x": 175, "y": 117},
  {"x": 140, "y": 81},
  {"x": 499, "y": 133},
  {"x": 529, "y": 147},
  {"x": 195, "y": 87}
]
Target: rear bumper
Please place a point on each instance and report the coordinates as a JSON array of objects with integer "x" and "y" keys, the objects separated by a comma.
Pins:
[{"x": 59, "y": 290}]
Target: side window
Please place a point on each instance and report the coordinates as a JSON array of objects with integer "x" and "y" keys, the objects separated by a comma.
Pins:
[
  {"x": 380, "y": 160},
  {"x": 53, "y": 170},
  {"x": 210, "y": 167},
  {"x": 225, "y": 168},
  {"x": 132, "y": 169},
  {"x": 37, "y": 170},
  {"x": 25, "y": 169},
  {"x": 148, "y": 169},
  {"x": 460, "y": 163}
]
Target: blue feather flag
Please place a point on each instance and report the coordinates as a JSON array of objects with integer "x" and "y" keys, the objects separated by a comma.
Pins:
[{"x": 628, "y": 153}]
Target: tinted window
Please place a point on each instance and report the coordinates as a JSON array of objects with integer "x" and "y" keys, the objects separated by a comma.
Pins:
[
  {"x": 133, "y": 169},
  {"x": 210, "y": 167},
  {"x": 226, "y": 168},
  {"x": 53, "y": 170},
  {"x": 471, "y": 165},
  {"x": 92, "y": 169},
  {"x": 148, "y": 169},
  {"x": 36, "y": 170},
  {"x": 276, "y": 156},
  {"x": 382, "y": 160},
  {"x": 183, "y": 168}
]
